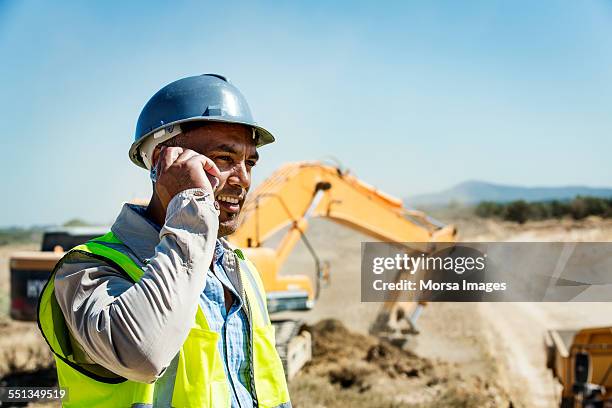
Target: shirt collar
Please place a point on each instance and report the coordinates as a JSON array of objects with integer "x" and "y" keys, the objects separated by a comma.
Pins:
[
  {"x": 136, "y": 231},
  {"x": 141, "y": 235},
  {"x": 219, "y": 251}
]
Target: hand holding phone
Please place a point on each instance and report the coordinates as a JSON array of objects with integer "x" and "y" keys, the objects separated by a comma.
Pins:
[{"x": 176, "y": 169}]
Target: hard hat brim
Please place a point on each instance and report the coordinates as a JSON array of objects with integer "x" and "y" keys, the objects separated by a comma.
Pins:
[{"x": 264, "y": 137}]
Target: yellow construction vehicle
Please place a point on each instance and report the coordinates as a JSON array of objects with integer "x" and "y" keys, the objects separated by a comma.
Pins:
[
  {"x": 283, "y": 204},
  {"x": 299, "y": 191},
  {"x": 582, "y": 362}
]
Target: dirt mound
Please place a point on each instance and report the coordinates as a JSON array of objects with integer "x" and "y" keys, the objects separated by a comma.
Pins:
[
  {"x": 351, "y": 369},
  {"x": 359, "y": 357}
]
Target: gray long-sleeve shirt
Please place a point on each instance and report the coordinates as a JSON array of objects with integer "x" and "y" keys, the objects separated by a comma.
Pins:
[{"x": 135, "y": 330}]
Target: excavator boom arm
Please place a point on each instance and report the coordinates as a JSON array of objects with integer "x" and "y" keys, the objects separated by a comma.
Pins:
[{"x": 299, "y": 191}]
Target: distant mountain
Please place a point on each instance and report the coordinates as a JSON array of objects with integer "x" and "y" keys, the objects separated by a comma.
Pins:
[{"x": 472, "y": 192}]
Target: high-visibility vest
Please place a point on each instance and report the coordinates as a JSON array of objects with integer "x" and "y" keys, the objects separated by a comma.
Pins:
[{"x": 200, "y": 377}]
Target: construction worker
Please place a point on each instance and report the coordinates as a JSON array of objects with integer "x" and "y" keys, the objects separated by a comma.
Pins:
[{"x": 162, "y": 311}]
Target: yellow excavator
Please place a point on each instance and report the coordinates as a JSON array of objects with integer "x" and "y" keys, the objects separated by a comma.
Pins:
[{"x": 282, "y": 204}]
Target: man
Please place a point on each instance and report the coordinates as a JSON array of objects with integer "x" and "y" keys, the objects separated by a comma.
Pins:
[{"x": 161, "y": 311}]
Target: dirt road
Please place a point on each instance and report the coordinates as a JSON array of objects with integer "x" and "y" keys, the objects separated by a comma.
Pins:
[
  {"x": 516, "y": 330},
  {"x": 516, "y": 334},
  {"x": 499, "y": 341}
]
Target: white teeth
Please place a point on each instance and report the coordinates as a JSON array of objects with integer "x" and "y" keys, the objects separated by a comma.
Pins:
[{"x": 227, "y": 199}]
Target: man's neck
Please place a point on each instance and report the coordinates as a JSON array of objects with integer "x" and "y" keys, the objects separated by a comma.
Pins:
[{"x": 155, "y": 211}]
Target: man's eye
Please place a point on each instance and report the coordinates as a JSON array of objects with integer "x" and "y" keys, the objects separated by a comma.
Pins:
[
  {"x": 251, "y": 163},
  {"x": 224, "y": 158}
]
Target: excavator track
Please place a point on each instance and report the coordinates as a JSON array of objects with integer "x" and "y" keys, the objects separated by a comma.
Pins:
[{"x": 294, "y": 345}]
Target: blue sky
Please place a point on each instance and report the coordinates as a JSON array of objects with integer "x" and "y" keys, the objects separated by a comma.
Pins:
[{"x": 412, "y": 96}]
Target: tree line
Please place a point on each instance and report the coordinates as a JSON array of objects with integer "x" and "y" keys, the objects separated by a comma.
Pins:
[{"x": 521, "y": 211}]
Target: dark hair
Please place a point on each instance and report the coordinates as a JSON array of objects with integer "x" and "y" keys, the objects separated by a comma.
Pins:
[{"x": 186, "y": 127}]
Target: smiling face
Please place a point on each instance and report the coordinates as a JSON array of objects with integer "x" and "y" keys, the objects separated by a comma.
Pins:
[{"x": 233, "y": 150}]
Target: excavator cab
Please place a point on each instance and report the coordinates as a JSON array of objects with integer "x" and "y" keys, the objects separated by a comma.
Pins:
[
  {"x": 587, "y": 394},
  {"x": 581, "y": 359}
]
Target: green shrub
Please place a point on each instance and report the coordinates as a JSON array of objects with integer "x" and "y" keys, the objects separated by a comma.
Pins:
[
  {"x": 487, "y": 209},
  {"x": 517, "y": 211},
  {"x": 520, "y": 211}
]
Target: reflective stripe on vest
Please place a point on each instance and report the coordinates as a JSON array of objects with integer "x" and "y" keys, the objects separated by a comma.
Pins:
[{"x": 200, "y": 379}]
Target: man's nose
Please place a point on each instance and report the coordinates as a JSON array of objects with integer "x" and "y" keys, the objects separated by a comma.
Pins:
[{"x": 240, "y": 175}]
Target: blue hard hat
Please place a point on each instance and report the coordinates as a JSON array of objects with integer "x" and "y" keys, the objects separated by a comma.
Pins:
[{"x": 208, "y": 97}]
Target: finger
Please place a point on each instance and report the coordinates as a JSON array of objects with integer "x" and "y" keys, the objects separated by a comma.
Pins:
[
  {"x": 186, "y": 155},
  {"x": 207, "y": 165},
  {"x": 210, "y": 167},
  {"x": 213, "y": 173},
  {"x": 214, "y": 182},
  {"x": 168, "y": 156}
]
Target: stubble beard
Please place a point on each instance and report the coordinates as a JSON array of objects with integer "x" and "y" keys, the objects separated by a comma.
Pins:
[{"x": 228, "y": 226}]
